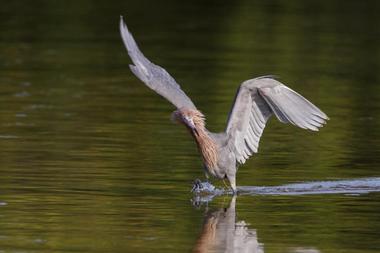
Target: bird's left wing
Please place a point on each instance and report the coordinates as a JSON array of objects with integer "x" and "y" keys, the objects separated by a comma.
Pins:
[
  {"x": 256, "y": 100},
  {"x": 155, "y": 77}
]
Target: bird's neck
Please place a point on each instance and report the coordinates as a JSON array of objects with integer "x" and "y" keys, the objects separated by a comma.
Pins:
[{"x": 206, "y": 146}]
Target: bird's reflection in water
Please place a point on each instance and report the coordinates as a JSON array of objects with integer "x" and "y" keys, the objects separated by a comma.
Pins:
[{"x": 222, "y": 233}]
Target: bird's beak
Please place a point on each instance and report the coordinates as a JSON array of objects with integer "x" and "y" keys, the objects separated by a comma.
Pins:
[{"x": 190, "y": 123}]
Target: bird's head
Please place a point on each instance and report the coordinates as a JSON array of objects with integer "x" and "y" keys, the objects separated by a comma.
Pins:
[{"x": 192, "y": 119}]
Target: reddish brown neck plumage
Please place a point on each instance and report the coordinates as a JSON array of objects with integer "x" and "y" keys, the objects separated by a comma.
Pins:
[{"x": 206, "y": 145}]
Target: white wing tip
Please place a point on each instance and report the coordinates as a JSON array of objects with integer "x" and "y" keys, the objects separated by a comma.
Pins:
[{"x": 122, "y": 23}]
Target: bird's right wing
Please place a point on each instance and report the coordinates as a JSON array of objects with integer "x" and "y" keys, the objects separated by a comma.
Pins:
[
  {"x": 256, "y": 100},
  {"x": 155, "y": 77}
]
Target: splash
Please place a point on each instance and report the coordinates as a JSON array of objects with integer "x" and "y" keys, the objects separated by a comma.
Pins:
[{"x": 205, "y": 192}]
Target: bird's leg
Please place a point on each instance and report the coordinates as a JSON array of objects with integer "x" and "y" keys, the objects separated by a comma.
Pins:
[
  {"x": 232, "y": 179},
  {"x": 234, "y": 190},
  {"x": 225, "y": 184}
]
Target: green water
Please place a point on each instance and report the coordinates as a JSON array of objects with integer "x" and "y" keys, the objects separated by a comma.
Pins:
[{"x": 90, "y": 161}]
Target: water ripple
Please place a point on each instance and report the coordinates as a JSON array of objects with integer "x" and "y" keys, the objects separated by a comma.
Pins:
[
  {"x": 349, "y": 187},
  {"x": 355, "y": 186}
]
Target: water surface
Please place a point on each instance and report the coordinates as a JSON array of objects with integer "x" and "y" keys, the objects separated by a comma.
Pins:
[{"x": 91, "y": 163}]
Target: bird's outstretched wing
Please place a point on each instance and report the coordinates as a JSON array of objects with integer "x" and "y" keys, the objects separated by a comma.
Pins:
[
  {"x": 256, "y": 100},
  {"x": 155, "y": 77}
]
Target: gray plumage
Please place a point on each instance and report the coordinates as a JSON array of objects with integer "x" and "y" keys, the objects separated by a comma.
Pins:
[
  {"x": 157, "y": 78},
  {"x": 255, "y": 102},
  {"x": 258, "y": 99}
]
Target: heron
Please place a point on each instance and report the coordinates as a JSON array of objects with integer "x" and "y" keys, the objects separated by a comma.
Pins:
[{"x": 256, "y": 100}]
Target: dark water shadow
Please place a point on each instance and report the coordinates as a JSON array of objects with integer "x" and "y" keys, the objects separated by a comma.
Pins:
[{"x": 222, "y": 231}]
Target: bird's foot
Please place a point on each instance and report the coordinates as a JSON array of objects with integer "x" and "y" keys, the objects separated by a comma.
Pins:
[{"x": 202, "y": 187}]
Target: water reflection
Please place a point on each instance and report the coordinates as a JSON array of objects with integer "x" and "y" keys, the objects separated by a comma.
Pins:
[{"x": 222, "y": 233}]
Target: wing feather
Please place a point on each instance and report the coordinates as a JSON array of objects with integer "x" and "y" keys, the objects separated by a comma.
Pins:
[
  {"x": 256, "y": 100},
  {"x": 155, "y": 77}
]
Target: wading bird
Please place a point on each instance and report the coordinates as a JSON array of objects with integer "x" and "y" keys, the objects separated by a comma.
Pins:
[{"x": 255, "y": 102}]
